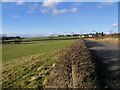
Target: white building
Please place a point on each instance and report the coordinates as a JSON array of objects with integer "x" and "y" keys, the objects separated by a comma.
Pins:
[{"x": 90, "y": 36}]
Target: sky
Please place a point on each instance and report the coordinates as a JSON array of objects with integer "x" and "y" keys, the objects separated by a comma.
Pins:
[{"x": 45, "y": 18}]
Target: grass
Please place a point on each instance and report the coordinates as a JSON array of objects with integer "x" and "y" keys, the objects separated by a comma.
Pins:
[
  {"x": 37, "y": 38},
  {"x": 29, "y": 65},
  {"x": 43, "y": 38},
  {"x": 18, "y": 50},
  {"x": 27, "y": 72}
]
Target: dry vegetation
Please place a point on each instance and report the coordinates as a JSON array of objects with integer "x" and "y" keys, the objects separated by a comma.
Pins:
[
  {"x": 112, "y": 38},
  {"x": 107, "y": 40},
  {"x": 75, "y": 68}
]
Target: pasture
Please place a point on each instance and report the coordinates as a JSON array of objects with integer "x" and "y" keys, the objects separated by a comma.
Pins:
[
  {"x": 30, "y": 63},
  {"x": 12, "y": 51},
  {"x": 47, "y": 38}
]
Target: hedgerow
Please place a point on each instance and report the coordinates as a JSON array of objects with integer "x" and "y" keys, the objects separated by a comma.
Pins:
[{"x": 75, "y": 68}]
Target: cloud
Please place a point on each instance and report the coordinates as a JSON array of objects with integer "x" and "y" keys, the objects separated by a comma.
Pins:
[
  {"x": 107, "y": 3},
  {"x": 115, "y": 25},
  {"x": 110, "y": 1},
  {"x": 60, "y": 11},
  {"x": 50, "y": 4},
  {"x": 51, "y": 7},
  {"x": 55, "y": 11},
  {"x": 13, "y": 16}
]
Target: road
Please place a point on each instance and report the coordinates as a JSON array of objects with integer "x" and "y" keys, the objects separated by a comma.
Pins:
[{"x": 107, "y": 61}]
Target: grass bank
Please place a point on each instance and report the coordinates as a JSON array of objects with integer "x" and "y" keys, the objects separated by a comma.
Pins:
[{"x": 75, "y": 68}]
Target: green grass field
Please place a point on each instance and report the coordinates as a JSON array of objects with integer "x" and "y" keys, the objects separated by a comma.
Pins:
[
  {"x": 43, "y": 38},
  {"x": 28, "y": 65},
  {"x": 13, "y": 51}
]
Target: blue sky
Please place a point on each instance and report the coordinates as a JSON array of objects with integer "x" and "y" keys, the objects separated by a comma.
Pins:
[{"x": 59, "y": 18}]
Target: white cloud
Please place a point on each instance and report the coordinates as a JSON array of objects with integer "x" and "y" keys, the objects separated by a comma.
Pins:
[
  {"x": 60, "y": 11},
  {"x": 55, "y": 11},
  {"x": 115, "y": 25},
  {"x": 51, "y": 4},
  {"x": 106, "y": 3},
  {"x": 109, "y": 0},
  {"x": 13, "y": 16}
]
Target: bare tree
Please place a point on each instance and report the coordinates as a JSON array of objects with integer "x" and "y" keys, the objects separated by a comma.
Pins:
[{"x": 51, "y": 37}]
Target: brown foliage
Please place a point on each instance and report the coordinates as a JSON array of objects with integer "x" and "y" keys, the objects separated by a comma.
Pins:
[{"x": 75, "y": 68}]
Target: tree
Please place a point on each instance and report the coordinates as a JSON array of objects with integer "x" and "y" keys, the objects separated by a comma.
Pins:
[
  {"x": 96, "y": 34},
  {"x": 102, "y": 34},
  {"x": 17, "y": 37},
  {"x": 3, "y": 37},
  {"x": 51, "y": 37},
  {"x": 68, "y": 35}
]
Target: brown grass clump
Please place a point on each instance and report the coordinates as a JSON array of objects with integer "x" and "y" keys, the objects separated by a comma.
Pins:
[
  {"x": 110, "y": 40},
  {"x": 106, "y": 40},
  {"x": 75, "y": 68}
]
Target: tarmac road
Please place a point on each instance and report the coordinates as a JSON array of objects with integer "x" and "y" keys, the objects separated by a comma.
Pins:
[{"x": 107, "y": 60}]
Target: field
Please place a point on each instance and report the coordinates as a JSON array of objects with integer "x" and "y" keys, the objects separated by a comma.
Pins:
[
  {"x": 47, "y": 38},
  {"x": 48, "y": 64},
  {"x": 18, "y": 50},
  {"x": 42, "y": 63},
  {"x": 22, "y": 63}
]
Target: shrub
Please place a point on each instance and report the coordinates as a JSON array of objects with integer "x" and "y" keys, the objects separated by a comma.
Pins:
[{"x": 75, "y": 68}]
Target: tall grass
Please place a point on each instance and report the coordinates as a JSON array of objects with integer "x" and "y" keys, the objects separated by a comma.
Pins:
[{"x": 106, "y": 40}]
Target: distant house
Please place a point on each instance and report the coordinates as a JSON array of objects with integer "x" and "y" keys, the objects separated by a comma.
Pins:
[
  {"x": 90, "y": 35},
  {"x": 83, "y": 36},
  {"x": 87, "y": 35}
]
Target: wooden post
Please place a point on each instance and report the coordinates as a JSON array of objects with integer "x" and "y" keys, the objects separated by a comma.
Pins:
[{"x": 74, "y": 75}]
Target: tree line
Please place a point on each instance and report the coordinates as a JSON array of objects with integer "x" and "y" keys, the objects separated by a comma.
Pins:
[
  {"x": 11, "y": 39},
  {"x": 94, "y": 34}
]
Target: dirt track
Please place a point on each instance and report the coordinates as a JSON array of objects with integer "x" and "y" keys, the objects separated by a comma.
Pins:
[{"x": 107, "y": 61}]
